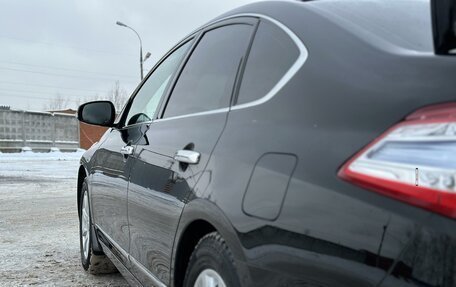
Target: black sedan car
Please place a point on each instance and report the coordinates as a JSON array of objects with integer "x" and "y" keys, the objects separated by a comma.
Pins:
[{"x": 284, "y": 144}]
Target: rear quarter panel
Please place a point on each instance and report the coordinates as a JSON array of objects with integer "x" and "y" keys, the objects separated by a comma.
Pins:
[{"x": 329, "y": 232}]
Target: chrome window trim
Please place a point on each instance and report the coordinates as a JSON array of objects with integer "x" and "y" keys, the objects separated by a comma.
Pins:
[
  {"x": 210, "y": 112},
  {"x": 303, "y": 55}
]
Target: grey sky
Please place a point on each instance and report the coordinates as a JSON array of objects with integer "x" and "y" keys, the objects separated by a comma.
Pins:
[{"x": 73, "y": 47}]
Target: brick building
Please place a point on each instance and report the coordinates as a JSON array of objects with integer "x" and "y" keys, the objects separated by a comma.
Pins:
[{"x": 88, "y": 134}]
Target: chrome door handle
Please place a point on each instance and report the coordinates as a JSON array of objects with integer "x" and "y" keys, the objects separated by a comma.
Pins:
[
  {"x": 187, "y": 156},
  {"x": 127, "y": 150}
]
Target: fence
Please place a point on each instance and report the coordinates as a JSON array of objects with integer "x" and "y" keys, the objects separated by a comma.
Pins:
[{"x": 37, "y": 130}]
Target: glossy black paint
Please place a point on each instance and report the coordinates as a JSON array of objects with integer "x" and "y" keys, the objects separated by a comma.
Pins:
[
  {"x": 325, "y": 232},
  {"x": 109, "y": 180},
  {"x": 444, "y": 25}
]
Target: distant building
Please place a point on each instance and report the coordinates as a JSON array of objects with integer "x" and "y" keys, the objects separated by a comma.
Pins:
[
  {"x": 38, "y": 131},
  {"x": 88, "y": 134},
  {"x": 67, "y": 111}
]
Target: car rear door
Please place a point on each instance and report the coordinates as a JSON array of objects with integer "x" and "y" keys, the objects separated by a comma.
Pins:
[{"x": 180, "y": 142}]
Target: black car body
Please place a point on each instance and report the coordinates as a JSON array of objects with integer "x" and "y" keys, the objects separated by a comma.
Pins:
[{"x": 267, "y": 105}]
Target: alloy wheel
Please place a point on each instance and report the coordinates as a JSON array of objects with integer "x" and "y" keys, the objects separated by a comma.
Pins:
[
  {"x": 209, "y": 278},
  {"x": 85, "y": 225}
]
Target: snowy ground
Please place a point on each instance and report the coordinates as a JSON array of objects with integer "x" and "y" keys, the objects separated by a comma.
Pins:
[{"x": 39, "y": 243}]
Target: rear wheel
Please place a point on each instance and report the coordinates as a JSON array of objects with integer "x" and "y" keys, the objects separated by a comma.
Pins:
[
  {"x": 95, "y": 264},
  {"x": 209, "y": 278},
  {"x": 211, "y": 264}
]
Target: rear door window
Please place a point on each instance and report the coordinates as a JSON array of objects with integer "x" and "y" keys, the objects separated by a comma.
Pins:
[
  {"x": 272, "y": 54},
  {"x": 208, "y": 78}
]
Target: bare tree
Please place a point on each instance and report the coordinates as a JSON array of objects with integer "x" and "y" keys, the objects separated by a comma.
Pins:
[
  {"x": 80, "y": 101},
  {"x": 118, "y": 96},
  {"x": 58, "y": 103}
]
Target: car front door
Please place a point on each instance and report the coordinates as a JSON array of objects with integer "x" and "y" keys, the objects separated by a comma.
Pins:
[
  {"x": 180, "y": 142},
  {"x": 108, "y": 183},
  {"x": 114, "y": 158}
]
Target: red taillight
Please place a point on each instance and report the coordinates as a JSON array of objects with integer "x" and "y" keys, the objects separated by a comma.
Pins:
[{"x": 414, "y": 161}]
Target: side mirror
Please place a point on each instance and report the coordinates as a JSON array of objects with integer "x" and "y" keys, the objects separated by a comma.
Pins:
[{"x": 100, "y": 113}]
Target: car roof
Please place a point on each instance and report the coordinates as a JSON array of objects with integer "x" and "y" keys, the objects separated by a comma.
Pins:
[{"x": 402, "y": 23}]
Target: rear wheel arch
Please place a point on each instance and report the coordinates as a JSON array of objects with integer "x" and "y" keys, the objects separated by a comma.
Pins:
[
  {"x": 188, "y": 240},
  {"x": 199, "y": 218}
]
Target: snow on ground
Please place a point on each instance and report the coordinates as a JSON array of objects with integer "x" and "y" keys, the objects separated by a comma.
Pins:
[
  {"x": 39, "y": 244},
  {"x": 53, "y": 165}
]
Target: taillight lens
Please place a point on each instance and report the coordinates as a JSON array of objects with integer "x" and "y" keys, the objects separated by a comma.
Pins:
[{"x": 414, "y": 161}]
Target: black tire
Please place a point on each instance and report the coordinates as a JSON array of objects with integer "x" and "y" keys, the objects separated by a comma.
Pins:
[
  {"x": 211, "y": 252},
  {"x": 94, "y": 264}
]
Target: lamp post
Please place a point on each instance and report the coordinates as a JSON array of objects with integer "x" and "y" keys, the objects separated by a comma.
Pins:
[{"x": 140, "y": 47}]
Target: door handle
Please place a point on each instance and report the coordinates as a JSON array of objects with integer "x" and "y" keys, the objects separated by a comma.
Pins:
[
  {"x": 187, "y": 156},
  {"x": 127, "y": 150}
]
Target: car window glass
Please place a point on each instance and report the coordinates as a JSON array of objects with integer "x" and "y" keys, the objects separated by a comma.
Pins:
[
  {"x": 148, "y": 97},
  {"x": 207, "y": 80},
  {"x": 271, "y": 55}
]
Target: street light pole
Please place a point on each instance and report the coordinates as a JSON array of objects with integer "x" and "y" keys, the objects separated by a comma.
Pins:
[
  {"x": 140, "y": 47},
  {"x": 141, "y": 60}
]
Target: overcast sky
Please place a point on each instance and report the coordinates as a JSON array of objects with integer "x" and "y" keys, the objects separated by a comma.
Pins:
[{"x": 73, "y": 47}]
